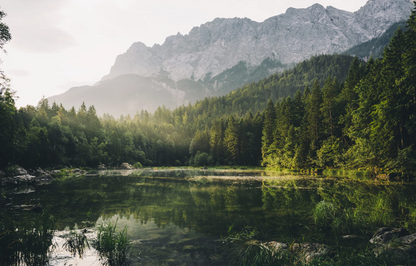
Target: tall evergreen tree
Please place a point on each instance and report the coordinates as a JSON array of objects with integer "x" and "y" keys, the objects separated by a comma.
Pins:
[
  {"x": 314, "y": 116},
  {"x": 231, "y": 140},
  {"x": 268, "y": 129}
]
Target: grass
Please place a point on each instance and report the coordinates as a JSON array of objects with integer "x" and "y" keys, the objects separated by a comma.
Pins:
[
  {"x": 324, "y": 213},
  {"x": 113, "y": 245},
  {"x": 77, "y": 243},
  {"x": 28, "y": 240},
  {"x": 241, "y": 249}
]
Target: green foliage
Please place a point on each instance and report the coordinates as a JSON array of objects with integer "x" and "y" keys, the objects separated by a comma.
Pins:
[
  {"x": 324, "y": 213},
  {"x": 77, "y": 243},
  {"x": 113, "y": 245},
  {"x": 374, "y": 47},
  {"x": 201, "y": 159},
  {"x": 354, "y": 116},
  {"x": 26, "y": 241},
  {"x": 138, "y": 165}
]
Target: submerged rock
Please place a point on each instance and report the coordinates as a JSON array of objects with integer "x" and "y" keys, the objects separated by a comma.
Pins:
[
  {"x": 385, "y": 234},
  {"x": 395, "y": 243},
  {"x": 305, "y": 251}
]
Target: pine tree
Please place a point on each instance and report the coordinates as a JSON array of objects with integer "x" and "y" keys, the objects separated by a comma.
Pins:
[
  {"x": 268, "y": 129},
  {"x": 314, "y": 117},
  {"x": 217, "y": 141},
  {"x": 231, "y": 141},
  {"x": 328, "y": 106}
]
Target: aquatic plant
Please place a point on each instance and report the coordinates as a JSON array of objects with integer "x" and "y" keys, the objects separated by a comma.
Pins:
[
  {"x": 27, "y": 240},
  {"x": 324, "y": 213},
  {"x": 77, "y": 243},
  {"x": 113, "y": 245}
]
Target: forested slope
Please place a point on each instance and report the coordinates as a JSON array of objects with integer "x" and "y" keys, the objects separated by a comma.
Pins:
[{"x": 307, "y": 117}]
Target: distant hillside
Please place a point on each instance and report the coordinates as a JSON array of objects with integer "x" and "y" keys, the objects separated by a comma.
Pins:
[
  {"x": 375, "y": 46},
  {"x": 253, "y": 97},
  {"x": 222, "y": 55}
]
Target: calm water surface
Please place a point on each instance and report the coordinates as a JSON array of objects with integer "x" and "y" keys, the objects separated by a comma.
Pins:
[{"x": 177, "y": 217}]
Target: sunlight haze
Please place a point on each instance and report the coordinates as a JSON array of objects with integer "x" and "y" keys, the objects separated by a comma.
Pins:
[{"x": 60, "y": 44}]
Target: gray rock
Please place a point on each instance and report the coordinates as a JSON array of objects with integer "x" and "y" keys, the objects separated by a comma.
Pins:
[
  {"x": 26, "y": 178},
  {"x": 222, "y": 43},
  {"x": 350, "y": 237},
  {"x": 385, "y": 234},
  {"x": 306, "y": 252},
  {"x": 78, "y": 171},
  {"x": 20, "y": 171},
  {"x": 407, "y": 240},
  {"x": 101, "y": 167},
  {"x": 19, "y": 179},
  {"x": 125, "y": 166},
  {"x": 395, "y": 243},
  {"x": 202, "y": 58}
]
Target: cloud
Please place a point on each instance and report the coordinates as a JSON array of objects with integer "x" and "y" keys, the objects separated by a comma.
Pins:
[
  {"x": 18, "y": 72},
  {"x": 34, "y": 25},
  {"x": 43, "y": 40}
]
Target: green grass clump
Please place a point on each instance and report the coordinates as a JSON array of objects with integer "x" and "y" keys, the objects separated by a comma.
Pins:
[
  {"x": 113, "y": 245},
  {"x": 77, "y": 243},
  {"x": 324, "y": 213},
  {"x": 26, "y": 240}
]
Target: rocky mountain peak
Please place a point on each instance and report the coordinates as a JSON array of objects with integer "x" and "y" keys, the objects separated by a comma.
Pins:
[
  {"x": 216, "y": 46},
  {"x": 378, "y": 15}
]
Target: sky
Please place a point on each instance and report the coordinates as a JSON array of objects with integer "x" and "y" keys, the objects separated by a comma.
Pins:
[{"x": 59, "y": 44}]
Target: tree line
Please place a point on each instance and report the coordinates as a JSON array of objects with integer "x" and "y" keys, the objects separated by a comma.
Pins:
[{"x": 332, "y": 111}]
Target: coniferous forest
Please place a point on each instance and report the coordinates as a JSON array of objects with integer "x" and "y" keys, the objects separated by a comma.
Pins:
[{"x": 332, "y": 111}]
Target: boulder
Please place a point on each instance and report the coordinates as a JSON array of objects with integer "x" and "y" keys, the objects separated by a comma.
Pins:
[
  {"x": 43, "y": 174},
  {"x": 17, "y": 180},
  {"x": 385, "y": 234},
  {"x": 395, "y": 243},
  {"x": 305, "y": 251},
  {"x": 125, "y": 166},
  {"x": 78, "y": 171},
  {"x": 101, "y": 167},
  {"x": 20, "y": 171}
]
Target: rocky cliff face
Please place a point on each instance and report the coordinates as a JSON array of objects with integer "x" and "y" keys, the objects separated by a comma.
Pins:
[
  {"x": 224, "y": 54},
  {"x": 289, "y": 38}
]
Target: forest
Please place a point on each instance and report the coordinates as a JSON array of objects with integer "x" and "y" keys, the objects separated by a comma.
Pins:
[{"x": 329, "y": 112}]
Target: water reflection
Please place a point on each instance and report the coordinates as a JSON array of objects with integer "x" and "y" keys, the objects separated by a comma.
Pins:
[{"x": 178, "y": 217}]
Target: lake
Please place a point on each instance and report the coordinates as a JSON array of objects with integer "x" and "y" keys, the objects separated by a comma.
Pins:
[{"x": 179, "y": 217}]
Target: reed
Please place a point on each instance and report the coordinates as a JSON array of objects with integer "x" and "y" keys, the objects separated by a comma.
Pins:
[
  {"x": 77, "y": 243},
  {"x": 28, "y": 240},
  {"x": 113, "y": 245}
]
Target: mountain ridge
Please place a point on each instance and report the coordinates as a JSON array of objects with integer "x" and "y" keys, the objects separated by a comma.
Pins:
[
  {"x": 222, "y": 43},
  {"x": 227, "y": 53}
]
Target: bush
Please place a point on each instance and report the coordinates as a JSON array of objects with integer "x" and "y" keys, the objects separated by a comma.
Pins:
[{"x": 138, "y": 165}]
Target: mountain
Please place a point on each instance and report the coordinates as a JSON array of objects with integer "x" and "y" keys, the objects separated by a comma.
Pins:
[
  {"x": 224, "y": 54},
  {"x": 375, "y": 47}
]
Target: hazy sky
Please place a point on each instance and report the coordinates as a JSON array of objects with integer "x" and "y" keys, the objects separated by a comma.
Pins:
[{"x": 59, "y": 44}]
